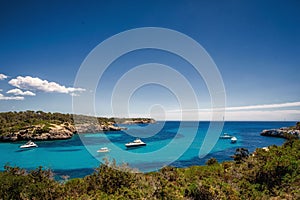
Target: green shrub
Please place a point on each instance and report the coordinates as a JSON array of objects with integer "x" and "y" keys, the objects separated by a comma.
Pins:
[{"x": 211, "y": 161}]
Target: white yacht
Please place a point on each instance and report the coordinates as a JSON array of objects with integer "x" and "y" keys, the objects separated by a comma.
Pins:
[
  {"x": 103, "y": 150},
  {"x": 225, "y": 136},
  {"x": 233, "y": 140},
  {"x": 137, "y": 142},
  {"x": 29, "y": 144}
]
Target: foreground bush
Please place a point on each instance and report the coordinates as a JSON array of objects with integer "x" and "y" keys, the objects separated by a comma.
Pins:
[{"x": 16, "y": 183}]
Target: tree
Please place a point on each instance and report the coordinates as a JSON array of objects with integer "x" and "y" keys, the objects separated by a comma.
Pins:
[
  {"x": 240, "y": 155},
  {"x": 211, "y": 161}
]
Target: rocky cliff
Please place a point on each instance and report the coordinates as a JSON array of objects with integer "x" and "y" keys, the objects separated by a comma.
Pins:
[
  {"x": 41, "y": 132},
  {"x": 96, "y": 127},
  {"x": 285, "y": 132},
  {"x": 56, "y": 132},
  {"x": 39, "y": 125}
]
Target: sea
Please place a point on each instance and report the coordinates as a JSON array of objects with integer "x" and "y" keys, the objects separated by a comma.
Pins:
[{"x": 170, "y": 143}]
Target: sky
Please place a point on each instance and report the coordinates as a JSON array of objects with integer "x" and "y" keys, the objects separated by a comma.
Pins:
[{"x": 254, "y": 44}]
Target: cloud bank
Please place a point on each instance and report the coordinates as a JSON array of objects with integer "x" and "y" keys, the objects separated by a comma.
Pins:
[
  {"x": 238, "y": 108},
  {"x": 37, "y": 84},
  {"x": 262, "y": 112},
  {"x": 265, "y": 106},
  {"x": 10, "y": 98},
  {"x": 20, "y": 92}
]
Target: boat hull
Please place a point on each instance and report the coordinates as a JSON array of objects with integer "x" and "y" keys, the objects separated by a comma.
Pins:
[
  {"x": 225, "y": 137},
  {"x": 233, "y": 140},
  {"x": 134, "y": 145},
  {"x": 102, "y": 151},
  {"x": 28, "y": 147}
]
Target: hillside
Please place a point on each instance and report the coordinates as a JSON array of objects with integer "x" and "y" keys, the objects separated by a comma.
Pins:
[{"x": 39, "y": 125}]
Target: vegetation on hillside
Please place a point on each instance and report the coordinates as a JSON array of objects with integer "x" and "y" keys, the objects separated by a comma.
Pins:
[
  {"x": 16, "y": 121},
  {"x": 272, "y": 172},
  {"x": 11, "y": 122}
]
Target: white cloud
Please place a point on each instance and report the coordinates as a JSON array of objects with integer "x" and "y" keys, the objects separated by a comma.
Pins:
[
  {"x": 252, "y": 107},
  {"x": 31, "y": 83},
  {"x": 263, "y": 115},
  {"x": 10, "y": 98},
  {"x": 2, "y": 77},
  {"x": 265, "y": 106},
  {"x": 263, "y": 112},
  {"x": 17, "y": 91},
  {"x": 243, "y": 115}
]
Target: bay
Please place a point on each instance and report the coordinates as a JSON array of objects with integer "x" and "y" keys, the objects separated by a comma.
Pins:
[{"x": 168, "y": 143}]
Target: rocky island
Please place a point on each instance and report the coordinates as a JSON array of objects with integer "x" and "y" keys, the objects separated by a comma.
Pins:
[
  {"x": 39, "y": 125},
  {"x": 284, "y": 132}
]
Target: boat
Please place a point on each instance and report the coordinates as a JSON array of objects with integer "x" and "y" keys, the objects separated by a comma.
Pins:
[
  {"x": 137, "y": 142},
  {"x": 103, "y": 150},
  {"x": 225, "y": 136},
  {"x": 29, "y": 144},
  {"x": 233, "y": 140}
]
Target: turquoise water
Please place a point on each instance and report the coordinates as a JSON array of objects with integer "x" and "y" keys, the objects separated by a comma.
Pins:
[{"x": 170, "y": 143}]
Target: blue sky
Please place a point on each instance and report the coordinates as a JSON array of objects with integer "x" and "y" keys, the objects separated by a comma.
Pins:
[{"x": 255, "y": 45}]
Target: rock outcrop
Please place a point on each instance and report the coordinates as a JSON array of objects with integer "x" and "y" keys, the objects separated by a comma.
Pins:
[
  {"x": 56, "y": 132},
  {"x": 39, "y": 125},
  {"x": 285, "y": 132},
  {"x": 95, "y": 127},
  {"x": 40, "y": 132}
]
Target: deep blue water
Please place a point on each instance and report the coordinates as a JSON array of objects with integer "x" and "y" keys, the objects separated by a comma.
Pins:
[{"x": 170, "y": 143}]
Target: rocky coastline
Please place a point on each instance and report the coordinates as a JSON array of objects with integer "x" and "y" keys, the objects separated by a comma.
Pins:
[
  {"x": 284, "y": 132},
  {"x": 95, "y": 128},
  {"x": 41, "y": 126},
  {"x": 139, "y": 121},
  {"x": 56, "y": 132},
  {"x": 40, "y": 132}
]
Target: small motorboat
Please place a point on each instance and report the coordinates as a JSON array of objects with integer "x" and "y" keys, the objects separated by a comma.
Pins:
[
  {"x": 136, "y": 143},
  {"x": 103, "y": 150},
  {"x": 233, "y": 140},
  {"x": 29, "y": 144},
  {"x": 225, "y": 136}
]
